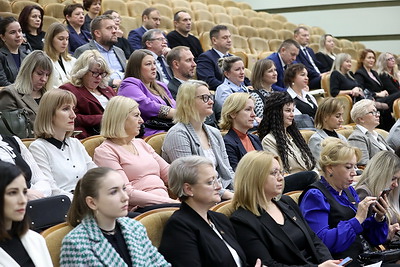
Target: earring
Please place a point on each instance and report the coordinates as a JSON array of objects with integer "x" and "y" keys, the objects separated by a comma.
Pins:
[{"x": 331, "y": 175}]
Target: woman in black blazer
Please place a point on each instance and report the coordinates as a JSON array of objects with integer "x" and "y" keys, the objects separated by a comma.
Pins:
[
  {"x": 237, "y": 118},
  {"x": 325, "y": 56},
  {"x": 195, "y": 236},
  {"x": 268, "y": 226},
  {"x": 386, "y": 68}
]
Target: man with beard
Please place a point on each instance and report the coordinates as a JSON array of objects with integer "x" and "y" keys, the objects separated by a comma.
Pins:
[
  {"x": 181, "y": 61},
  {"x": 104, "y": 33}
]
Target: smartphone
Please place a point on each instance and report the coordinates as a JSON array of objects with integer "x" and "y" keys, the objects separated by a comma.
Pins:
[
  {"x": 385, "y": 192},
  {"x": 346, "y": 261}
]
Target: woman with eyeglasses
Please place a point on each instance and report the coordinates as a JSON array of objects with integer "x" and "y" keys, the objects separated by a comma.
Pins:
[
  {"x": 364, "y": 136},
  {"x": 333, "y": 209},
  {"x": 383, "y": 173},
  {"x": 191, "y": 136},
  {"x": 89, "y": 83}
]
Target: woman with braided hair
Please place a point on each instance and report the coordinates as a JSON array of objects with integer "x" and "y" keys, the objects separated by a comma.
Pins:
[{"x": 280, "y": 136}]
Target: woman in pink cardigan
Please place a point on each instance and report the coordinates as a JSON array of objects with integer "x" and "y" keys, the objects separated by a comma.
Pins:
[{"x": 145, "y": 172}]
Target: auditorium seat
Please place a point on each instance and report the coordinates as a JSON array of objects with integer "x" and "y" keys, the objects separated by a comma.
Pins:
[
  {"x": 204, "y": 26},
  {"x": 156, "y": 141},
  {"x": 166, "y": 24},
  {"x": 358, "y": 45},
  {"x": 317, "y": 30},
  {"x": 258, "y": 45},
  {"x": 244, "y": 6},
  {"x": 265, "y": 54},
  {"x": 267, "y": 33},
  {"x": 17, "y": 6},
  {"x": 205, "y": 41},
  {"x": 249, "y": 13},
  {"x": 45, "y": 2},
  {"x": 165, "y": 10},
  {"x": 234, "y": 11},
  {"x": 325, "y": 84},
  {"x": 289, "y": 26},
  {"x": 396, "y": 109},
  {"x": 314, "y": 38},
  {"x": 220, "y": 18},
  {"x": 164, "y": 2},
  {"x": 54, "y": 10},
  {"x": 274, "y": 44},
  {"x": 129, "y": 23},
  {"x": 90, "y": 143},
  {"x": 274, "y": 24},
  {"x": 228, "y": 3},
  {"x": 181, "y": 3},
  {"x": 279, "y": 17},
  {"x": 5, "y": 6},
  {"x": 240, "y": 20},
  {"x": 264, "y": 15},
  {"x": 284, "y": 34},
  {"x": 344, "y": 43},
  {"x": 232, "y": 28},
  {"x": 201, "y": 14},
  {"x": 247, "y": 31},
  {"x": 216, "y": 9},
  {"x": 258, "y": 22},
  {"x": 117, "y": 5},
  {"x": 197, "y": 6},
  {"x": 8, "y": 14},
  {"x": 135, "y": 8},
  {"x": 351, "y": 51},
  {"x": 213, "y": 2}
]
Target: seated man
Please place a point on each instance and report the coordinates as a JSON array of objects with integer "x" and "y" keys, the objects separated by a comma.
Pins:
[
  {"x": 151, "y": 19},
  {"x": 285, "y": 56},
  {"x": 104, "y": 39},
  {"x": 181, "y": 35}
]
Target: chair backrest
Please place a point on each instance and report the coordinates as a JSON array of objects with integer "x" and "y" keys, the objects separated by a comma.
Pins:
[
  {"x": 166, "y": 23},
  {"x": 382, "y": 132},
  {"x": 27, "y": 141},
  {"x": 240, "y": 44},
  {"x": 249, "y": 13},
  {"x": 258, "y": 22},
  {"x": 284, "y": 34},
  {"x": 17, "y": 6},
  {"x": 240, "y": 20},
  {"x": 53, "y": 237},
  {"x": 135, "y": 8},
  {"x": 295, "y": 195},
  {"x": 317, "y": 30},
  {"x": 274, "y": 24},
  {"x": 267, "y": 33},
  {"x": 225, "y": 207},
  {"x": 247, "y": 31},
  {"x": 222, "y": 18},
  {"x": 396, "y": 109},
  {"x": 234, "y": 11},
  {"x": 258, "y": 45},
  {"x": 201, "y": 14},
  {"x": 117, "y": 5},
  {"x": 5, "y": 6},
  {"x": 279, "y": 17},
  {"x": 196, "y": 6},
  {"x": 216, "y": 9},
  {"x": 345, "y": 132},
  {"x": 129, "y": 23},
  {"x": 326, "y": 84},
  {"x": 264, "y": 15},
  {"x": 289, "y": 26},
  {"x": 90, "y": 143},
  {"x": 181, "y": 3},
  {"x": 154, "y": 221},
  {"x": 47, "y": 212},
  {"x": 274, "y": 44},
  {"x": 232, "y": 28},
  {"x": 54, "y": 10},
  {"x": 307, "y": 134},
  {"x": 348, "y": 104},
  {"x": 244, "y": 6},
  {"x": 156, "y": 141},
  {"x": 47, "y": 21}
]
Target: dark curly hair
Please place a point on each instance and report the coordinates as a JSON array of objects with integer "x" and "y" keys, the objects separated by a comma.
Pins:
[{"x": 272, "y": 122}]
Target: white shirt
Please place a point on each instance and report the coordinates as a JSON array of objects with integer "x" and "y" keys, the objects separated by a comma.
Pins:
[
  {"x": 374, "y": 135},
  {"x": 303, "y": 98}
]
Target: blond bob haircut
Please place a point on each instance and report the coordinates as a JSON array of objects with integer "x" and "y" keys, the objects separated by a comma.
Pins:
[
  {"x": 115, "y": 115},
  {"x": 185, "y": 170},
  {"x": 360, "y": 109},
  {"x": 54, "y": 29},
  {"x": 338, "y": 62},
  {"x": 185, "y": 101},
  {"x": 36, "y": 60},
  {"x": 50, "y": 102},
  {"x": 86, "y": 61},
  {"x": 232, "y": 105},
  {"x": 335, "y": 151},
  {"x": 251, "y": 174},
  {"x": 329, "y": 106}
]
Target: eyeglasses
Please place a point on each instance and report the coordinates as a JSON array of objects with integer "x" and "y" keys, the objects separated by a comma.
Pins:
[
  {"x": 277, "y": 172},
  {"x": 162, "y": 39},
  {"x": 206, "y": 97},
  {"x": 390, "y": 59},
  {"x": 395, "y": 178},
  {"x": 375, "y": 112},
  {"x": 214, "y": 182},
  {"x": 97, "y": 74}
]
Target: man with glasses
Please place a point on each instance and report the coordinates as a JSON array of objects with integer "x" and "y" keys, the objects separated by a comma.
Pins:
[
  {"x": 104, "y": 33},
  {"x": 154, "y": 41},
  {"x": 151, "y": 19}
]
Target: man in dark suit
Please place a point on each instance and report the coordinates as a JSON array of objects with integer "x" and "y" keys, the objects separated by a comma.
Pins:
[
  {"x": 181, "y": 61},
  {"x": 104, "y": 35},
  {"x": 207, "y": 63},
  {"x": 307, "y": 57},
  {"x": 151, "y": 19},
  {"x": 285, "y": 56}
]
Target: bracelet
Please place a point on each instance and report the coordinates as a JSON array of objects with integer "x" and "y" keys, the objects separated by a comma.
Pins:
[{"x": 383, "y": 218}]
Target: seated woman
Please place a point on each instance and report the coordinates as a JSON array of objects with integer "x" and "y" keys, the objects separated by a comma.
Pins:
[
  {"x": 387, "y": 70},
  {"x": 33, "y": 80},
  {"x": 194, "y": 235},
  {"x": 19, "y": 246},
  {"x": 325, "y": 55},
  {"x": 56, "y": 47},
  {"x": 263, "y": 76},
  {"x": 364, "y": 136},
  {"x": 382, "y": 173},
  {"x": 12, "y": 52},
  {"x": 233, "y": 69},
  {"x": 88, "y": 83},
  {"x": 156, "y": 103},
  {"x": 61, "y": 158},
  {"x": 269, "y": 225},
  {"x": 12, "y": 150},
  {"x": 93, "y": 8},
  {"x": 122, "y": 43},
  {"x": 144, "y": 171},
  {"x": 329, "y": 117},
  {"x": 342, "y": 81},
  {"x": 103, "y": 236},
  {"x": 296, "y": 82},
  {"x": 332, "y": 208},
  {"x": 191, "y": 136},
  {"x": 31, "y": 21},
  {"x": 74, "y": 17},
  {"x": 237, "y": 118}
]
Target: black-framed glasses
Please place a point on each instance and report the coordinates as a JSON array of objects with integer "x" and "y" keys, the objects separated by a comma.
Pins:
[
  {"x": 206, "y": 97},
  {"x": 97, "y": 74},
  {"x": 390, "y": 59},
  {"x": 375, "y": 112},
  {"x": 277, "y": 172}
]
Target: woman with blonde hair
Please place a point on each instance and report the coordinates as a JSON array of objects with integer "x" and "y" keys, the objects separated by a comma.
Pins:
[
  {"x": 145, "y": 173},
  {"x": 238, "y": 118},
  {"x": 325, "y": 55},
  {"x": 383, "y": 173},
  {"x": 387, "y": 70},
  {"x": 191, "y": 136},
  {"x": 62, "y": 159},
  {"x": 269, "y": 225},
  {"x": 333, "y": 209},
  {"x": 89, "y": 84},
  {"x": 33, "y": 80},
  {"x": 156, "y": 103},
  {"x": 56, "y": 47}
]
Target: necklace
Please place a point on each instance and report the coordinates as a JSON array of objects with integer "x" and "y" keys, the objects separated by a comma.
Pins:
[{"x": 111, "y": 232}]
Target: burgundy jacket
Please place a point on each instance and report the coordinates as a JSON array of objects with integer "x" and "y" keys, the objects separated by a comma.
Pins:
[{"x": 88, "y": 109}]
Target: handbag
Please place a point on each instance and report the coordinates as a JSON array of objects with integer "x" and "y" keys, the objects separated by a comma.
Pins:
[
  {"x": 159, "y": 124},
  {"x": 386, "y": 256},
  {"x": 16, "y": 122}
]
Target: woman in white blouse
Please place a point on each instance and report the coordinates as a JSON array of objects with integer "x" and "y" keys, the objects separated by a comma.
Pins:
[
  {"x": 56, "y": 47},
  {"x": 60, "y": 157}
]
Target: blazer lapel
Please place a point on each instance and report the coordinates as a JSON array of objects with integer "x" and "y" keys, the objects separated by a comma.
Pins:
[
  {"x": 86, "y": 94},
  {"x": 30, "y": 102},
  {"x": 236, "y": 138}
]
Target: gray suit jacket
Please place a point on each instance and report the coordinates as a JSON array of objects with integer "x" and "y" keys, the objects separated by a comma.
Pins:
[
  {"x": 92, "y": 46},
  {"x": 367, "y": 144},
  {"x": 394, "y": 136},
  {"x": 182, "y": 141},
  {"x": 8, "y": 68},
  {"x": 315, "y": 142}
]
